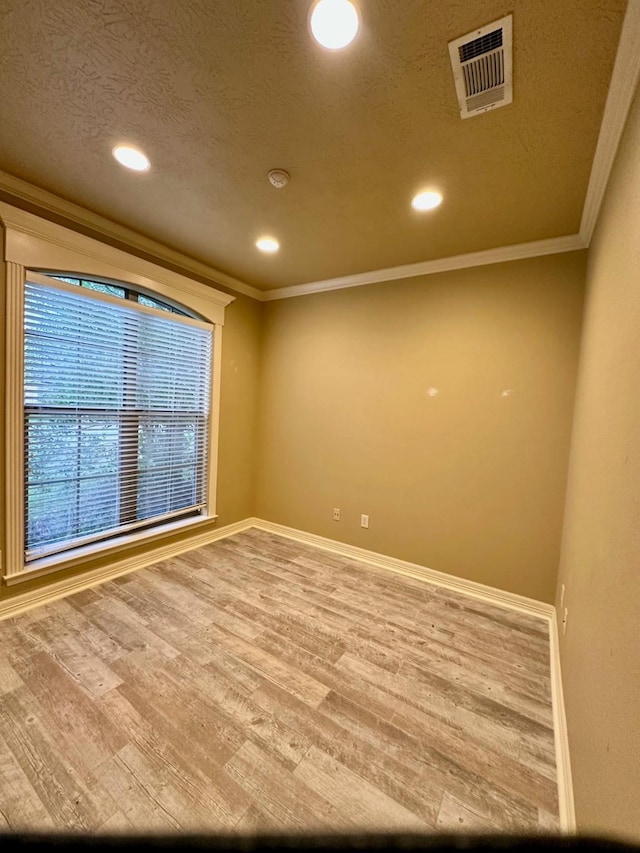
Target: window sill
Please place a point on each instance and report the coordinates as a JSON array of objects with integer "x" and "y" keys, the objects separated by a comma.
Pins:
[{"x": 77, "y": 556}]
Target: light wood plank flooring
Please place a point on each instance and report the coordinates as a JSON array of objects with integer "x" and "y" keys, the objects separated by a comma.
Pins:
[{"x": 261, "y": 684}]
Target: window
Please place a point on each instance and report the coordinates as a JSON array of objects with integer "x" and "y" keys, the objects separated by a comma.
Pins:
[
  {"x": 102, "y": 453},
  {"x": 116, "y": 412}
]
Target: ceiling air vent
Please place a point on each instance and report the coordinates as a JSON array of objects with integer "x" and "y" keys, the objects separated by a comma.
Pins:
[{"x": 482, "y": 68}]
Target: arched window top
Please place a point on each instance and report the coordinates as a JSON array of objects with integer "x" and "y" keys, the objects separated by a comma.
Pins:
[
  {"x": 48, "y": 248},
  {"x": 121, "y": 290}
]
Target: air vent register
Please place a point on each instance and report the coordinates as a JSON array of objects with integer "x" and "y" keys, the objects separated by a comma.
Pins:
[{"x": 482, "y": 68}]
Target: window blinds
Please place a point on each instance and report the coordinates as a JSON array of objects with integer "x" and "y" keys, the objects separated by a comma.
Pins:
[{"x": 116, "y": 416}]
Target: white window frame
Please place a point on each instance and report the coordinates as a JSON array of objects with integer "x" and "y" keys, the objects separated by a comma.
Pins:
[{"x": 33, "y": 244}]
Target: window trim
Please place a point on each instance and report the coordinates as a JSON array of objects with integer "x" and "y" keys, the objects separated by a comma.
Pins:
[
  {"x": 116, "y": 547},
  {"x": 35, "y": 245}
]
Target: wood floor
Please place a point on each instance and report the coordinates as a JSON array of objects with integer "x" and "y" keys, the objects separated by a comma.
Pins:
[{"x": 261, "y": 684}]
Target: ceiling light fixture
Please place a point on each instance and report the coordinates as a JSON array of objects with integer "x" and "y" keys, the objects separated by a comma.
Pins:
[
  {"x": 334, "y": 23},
  {"x": 131, "y": 158},
  {"x": 426, "y": 200},
  {"x": 268, "y": 244}
]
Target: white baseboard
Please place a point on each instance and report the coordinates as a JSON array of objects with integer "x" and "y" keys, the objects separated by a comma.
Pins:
[
  {"x": 563, "y": 760},
  {"x": 488, "y": 594},
  {"x": 62, "y": 588}
]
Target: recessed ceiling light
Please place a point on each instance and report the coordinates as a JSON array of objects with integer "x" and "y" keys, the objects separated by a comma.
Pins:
[
  {"x": 426, "y": 200},
  {"x": 334, "y": 23},
  {"x": 268, "y": 244},
  {"x": 131, "y": 158}
]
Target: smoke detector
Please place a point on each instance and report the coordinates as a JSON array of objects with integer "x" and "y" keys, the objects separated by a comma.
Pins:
[
  {"x": 483, "y": 68},
  {"x": 278, "y": 178}
]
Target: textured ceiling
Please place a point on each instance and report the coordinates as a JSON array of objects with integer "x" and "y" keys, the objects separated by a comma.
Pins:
[{"x": 217, "y": 93}]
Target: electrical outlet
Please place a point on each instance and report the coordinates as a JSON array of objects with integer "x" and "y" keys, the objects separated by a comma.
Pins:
[
  {"x": 364, "y": 521},
  {"x": 565, "y": 616},
  {"x": 336, "y": 514}
]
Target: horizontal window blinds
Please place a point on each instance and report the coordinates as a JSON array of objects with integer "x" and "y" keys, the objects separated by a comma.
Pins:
[{"x": 116, "y": 401}]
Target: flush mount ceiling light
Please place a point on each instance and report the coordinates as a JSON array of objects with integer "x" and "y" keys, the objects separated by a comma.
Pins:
[
  {"x": 131, "y": 158},
  {"x": 334, "y": 23},
  {"x": 268, "y": 244},
  {"x": 426, "y": 200}
]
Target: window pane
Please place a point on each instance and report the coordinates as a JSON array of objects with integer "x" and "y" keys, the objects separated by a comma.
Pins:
[
  {"x": 97, "y": 500},
  {"x": 50, "y": 511},
  {"x": 71, "y": 374},
  {"x": 67, "y": 279},
  {"x": 99, "y": 445},
  {"x": 167, "y": 491},
  {"x": 154, "y": 303},
  {"x": 72, "y": 475},
  {"x": 168, "y": 453},
  {"x": 116, "y": 416},
  {"x": 52, "y": 448},
  {"x": 99, "y": 287}
]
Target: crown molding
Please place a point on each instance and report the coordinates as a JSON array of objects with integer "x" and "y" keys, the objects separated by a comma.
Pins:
[
  {"x": 552, "y": 246},
  {"x": 624, "y": 80},
  {"x": 17, "y": 192}
]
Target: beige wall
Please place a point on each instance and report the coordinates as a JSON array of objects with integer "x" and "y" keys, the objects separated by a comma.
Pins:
[
  {"x": 241, "y": 341},
  {"x": 601, "y": 544},
  {"x": 469, "y": 481}
]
